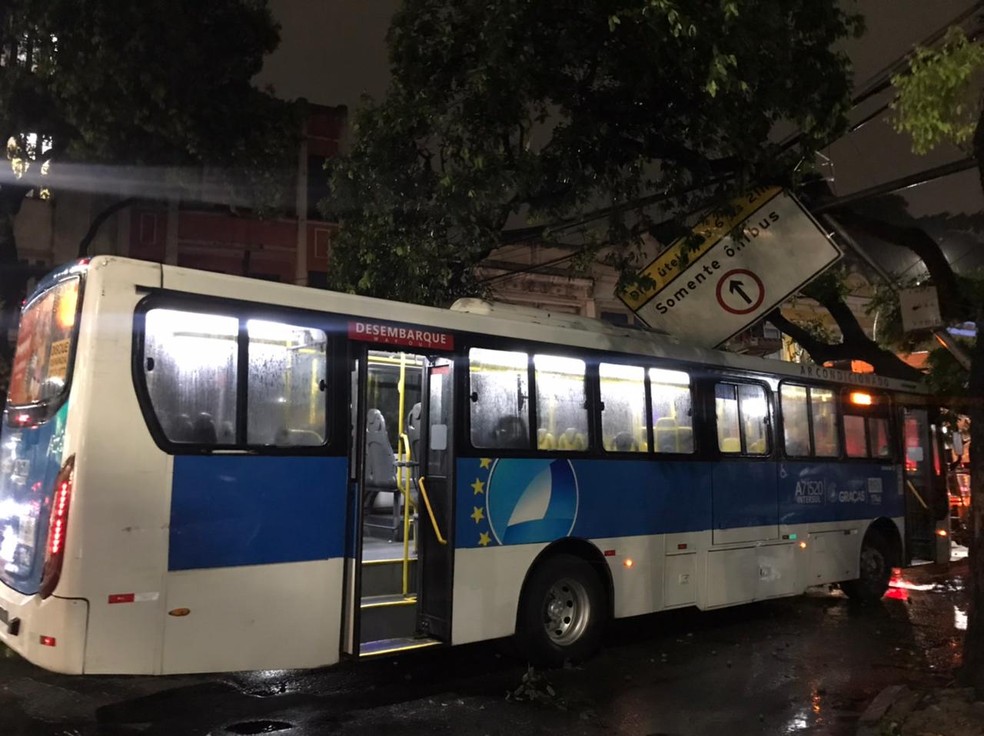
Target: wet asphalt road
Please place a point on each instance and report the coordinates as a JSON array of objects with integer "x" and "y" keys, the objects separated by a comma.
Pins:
[{"x": 806, "y": 665}]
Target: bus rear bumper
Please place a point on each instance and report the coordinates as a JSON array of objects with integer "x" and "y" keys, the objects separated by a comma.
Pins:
[{"x": 49, "y": 633}]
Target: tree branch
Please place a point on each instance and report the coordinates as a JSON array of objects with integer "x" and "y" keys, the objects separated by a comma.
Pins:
[
  {"x": 884, "y": 362},
  {"x": 98, "y": 221},
  {"x": 953, "y": 305}
]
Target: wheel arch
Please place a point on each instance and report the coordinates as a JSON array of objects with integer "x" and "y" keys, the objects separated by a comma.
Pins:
[
  {"x": 889, "y": 531},
  {"x": 576, "y": 547}
]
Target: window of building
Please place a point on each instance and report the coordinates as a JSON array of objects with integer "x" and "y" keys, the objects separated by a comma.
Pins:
[
  {"x": 561, "y": 403},
  {"x": 499, "y": 392},
  {"x": 672, "y": 410},
  {"x": 623, "y": 407}
]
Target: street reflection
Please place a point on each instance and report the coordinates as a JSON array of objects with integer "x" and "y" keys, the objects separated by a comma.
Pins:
[
  {"x": 959, "y": 618},
  {"x": 809, "y": 717}
]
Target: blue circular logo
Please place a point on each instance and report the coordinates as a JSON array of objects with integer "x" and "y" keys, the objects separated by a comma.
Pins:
[{"x": 531, "y": 500}]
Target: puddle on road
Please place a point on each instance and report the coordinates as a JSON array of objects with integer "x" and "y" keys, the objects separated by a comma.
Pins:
[
  {"x": 250, "y": 728},
  {"x": 959, "y": 618},
  {"x": 810, "y": 717}
]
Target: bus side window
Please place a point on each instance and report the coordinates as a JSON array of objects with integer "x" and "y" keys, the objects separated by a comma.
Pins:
[
  {"x": 190, "y": 364},
  {"x": 287, "y": 381},
  {"x": 880, "y": 445},
  {"x": 561, "y": 400},
  {"x": 795, "y": 420},
  {"x": 823, "y": 418},
  {"x": 726, "y": 412},
  {"x": 672, "y": 410},
  {"x": 854, "y": 439},
  {"x": 499, "y": 391},
  {"x": 742, "y": 412},
  {"x": 754, "y": 407},
  {"x": 623, "y": 407}
]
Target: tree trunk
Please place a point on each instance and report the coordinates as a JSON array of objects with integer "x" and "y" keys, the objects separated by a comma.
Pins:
[
  {"x": 98, "y": 221},
  {"x": 972, "y": 673},
  {"x": 13, "y": 279}
]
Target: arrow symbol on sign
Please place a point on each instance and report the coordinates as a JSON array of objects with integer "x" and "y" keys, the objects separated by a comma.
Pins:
[{"x": 734, "y": 286}]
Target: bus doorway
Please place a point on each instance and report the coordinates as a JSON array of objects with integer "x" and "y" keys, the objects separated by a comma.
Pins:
[
  {"x": 400, "y": 568},
  {"x": 924, "y": 480}
]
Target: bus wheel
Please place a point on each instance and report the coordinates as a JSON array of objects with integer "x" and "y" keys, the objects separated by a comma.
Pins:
[
  {"x": 561, "y": 614},
  {"x": 874, "y": 571}
]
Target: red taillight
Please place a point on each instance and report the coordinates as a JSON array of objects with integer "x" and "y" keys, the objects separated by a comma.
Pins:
[{"x": 57, "y": 528}]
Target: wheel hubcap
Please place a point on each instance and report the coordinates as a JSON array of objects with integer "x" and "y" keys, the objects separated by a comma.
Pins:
[
  {"x": 566, "y": 611},
  {"x": 872, "y": 565}
]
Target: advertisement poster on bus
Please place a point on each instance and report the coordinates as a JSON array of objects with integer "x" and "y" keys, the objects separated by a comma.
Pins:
[{"x": 745, "y": 263}]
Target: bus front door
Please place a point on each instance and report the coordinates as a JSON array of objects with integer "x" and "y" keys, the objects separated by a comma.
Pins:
[
  {"x": 399, "y": 573},
  {"x": 925, "y": 489},
  {"x": 435, "y": 506}
]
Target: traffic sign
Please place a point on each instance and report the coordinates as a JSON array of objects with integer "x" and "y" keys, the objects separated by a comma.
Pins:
[
  {"x": 920, "y": 307},
  {"x": 733, "y": 291},
  {"x": 734, "y": 267}
]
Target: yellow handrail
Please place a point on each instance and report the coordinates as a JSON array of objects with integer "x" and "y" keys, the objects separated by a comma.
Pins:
[
  {"x": 403, "y": 484},
  {"x": 916, "y": 494},
  {"x": 430, "y": 511}
]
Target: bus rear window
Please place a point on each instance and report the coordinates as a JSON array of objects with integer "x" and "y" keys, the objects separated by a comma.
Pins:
[{"x": 44, "y": 345}]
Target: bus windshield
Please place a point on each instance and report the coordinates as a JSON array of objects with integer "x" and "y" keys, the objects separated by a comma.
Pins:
[{"x": 44, "y": 342}]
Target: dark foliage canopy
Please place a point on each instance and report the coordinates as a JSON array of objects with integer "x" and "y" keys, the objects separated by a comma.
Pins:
[{"x": 542, "y": 112}]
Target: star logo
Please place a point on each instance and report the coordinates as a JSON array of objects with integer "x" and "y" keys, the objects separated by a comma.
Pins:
[
  {"x": 484, "y": 539},
  {"x": 478, "y": 514},
  {"x": 485, "y": 463},
  {"x": 478, "y": 486}
]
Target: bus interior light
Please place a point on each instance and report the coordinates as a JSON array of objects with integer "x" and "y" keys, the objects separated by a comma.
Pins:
[
  {"x": 628, "y": 562},
  {"x": 802, "y": 545},
  {"x": 860, "y": 398},
  {"x": 942, "y": 532}
]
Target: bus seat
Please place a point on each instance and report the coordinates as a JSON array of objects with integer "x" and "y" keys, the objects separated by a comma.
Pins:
[
  {"x": 545, "y": 440},
  {"x": 730, "y": 444},
  {"x": 181, "y": 429},
  {"x": 203, "y": 430},
  {"x": 510, "y": 432},
  {"x": 685, "y": 439},
  {"x": 666, "y": 435},
  {"x": 227, "y": 434},
  {"x": 571, "y": 440},
  {"x": 757, "y": 447},
  {"x": 625, "y": 442},
  {"x": 380, "y": 463}
]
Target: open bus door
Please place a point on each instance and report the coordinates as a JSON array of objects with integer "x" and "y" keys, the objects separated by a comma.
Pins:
[
  {"x": 399, "y": 567},
  {"x": 436, "y": 485},
  {"x": 924, "y": 481}
]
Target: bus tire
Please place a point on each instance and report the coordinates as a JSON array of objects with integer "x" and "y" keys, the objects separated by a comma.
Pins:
[
  {"x": 561, "y": 612},
  {"x": 874, "y": 571}
]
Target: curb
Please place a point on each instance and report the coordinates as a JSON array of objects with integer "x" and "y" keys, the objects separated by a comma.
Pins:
[{"x": 878, "y": 707}]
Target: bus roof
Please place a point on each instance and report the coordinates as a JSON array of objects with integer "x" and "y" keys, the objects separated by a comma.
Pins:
[{"x": 508, "y": 321}]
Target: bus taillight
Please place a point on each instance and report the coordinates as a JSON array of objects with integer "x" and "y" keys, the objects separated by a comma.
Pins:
[{"x": 57, "y": 528}]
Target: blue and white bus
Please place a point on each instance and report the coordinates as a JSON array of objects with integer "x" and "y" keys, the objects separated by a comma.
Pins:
[{"x": 201, "y": 473}]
